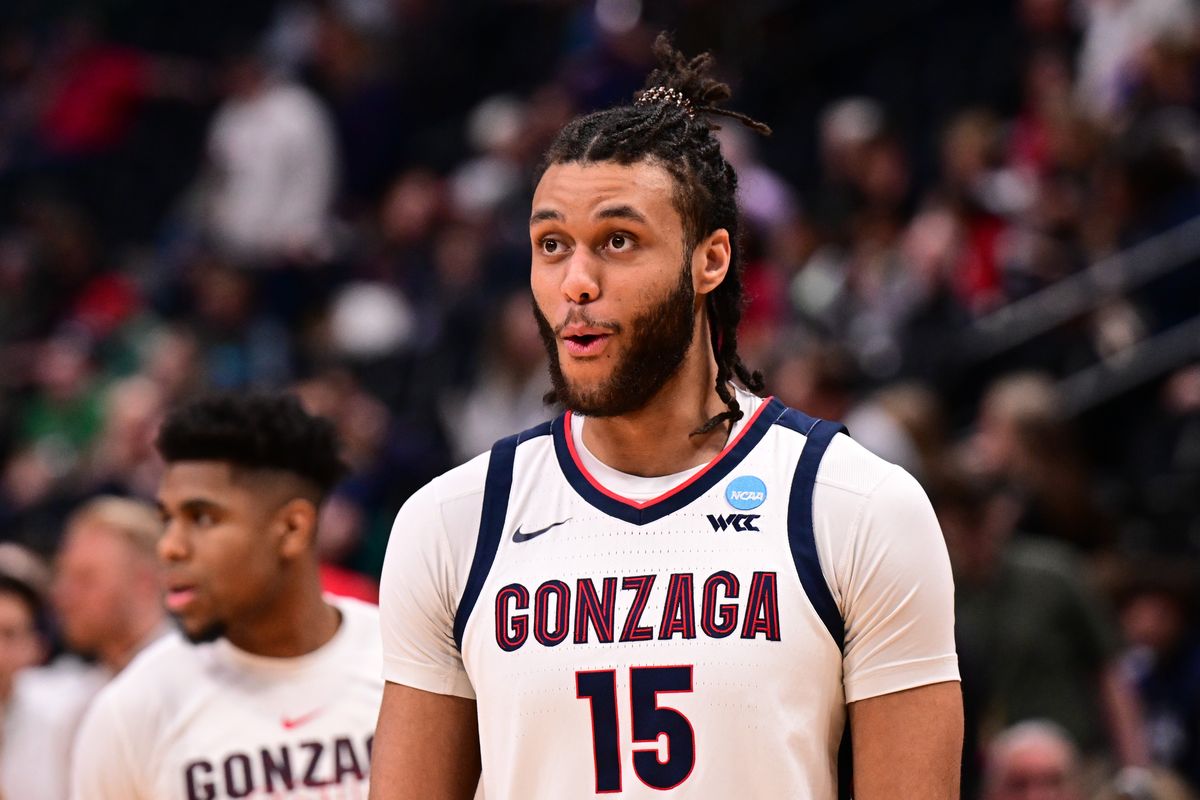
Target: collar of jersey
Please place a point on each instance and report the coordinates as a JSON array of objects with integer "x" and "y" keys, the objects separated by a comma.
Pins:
[{"x": 647, "y": 511}]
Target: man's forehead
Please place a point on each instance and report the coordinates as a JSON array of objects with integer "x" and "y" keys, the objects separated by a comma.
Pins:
[
  {"x": 219, "y": 481},
  {"x": 213, "y": 481},
  {"x": 597, "y": 188}
]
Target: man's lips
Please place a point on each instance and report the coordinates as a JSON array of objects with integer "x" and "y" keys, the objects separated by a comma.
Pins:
[
  {"x": 180, "y": 597},
  {"x": 585, "y": 340}
]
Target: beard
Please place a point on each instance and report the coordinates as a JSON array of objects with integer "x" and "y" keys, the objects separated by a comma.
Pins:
[
  {"x": 209, "y": 633},
  {"x": 658, "y": 343}
]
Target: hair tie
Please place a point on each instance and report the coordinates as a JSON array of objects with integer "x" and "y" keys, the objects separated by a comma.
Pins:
[{"x": 666, "y": 96}]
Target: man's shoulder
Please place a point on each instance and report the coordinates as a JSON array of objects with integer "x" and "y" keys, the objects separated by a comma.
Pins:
[
  {"x": 166, "y": 662},
  {"x": 849, "y": 466},
  {"x": 355, "y": 608},
  {"x": 846, "y": 465},
  {"x": 363, "y": 621},
  {"x": 454, "y": 484},
  {"x": 161, "y": 675}
]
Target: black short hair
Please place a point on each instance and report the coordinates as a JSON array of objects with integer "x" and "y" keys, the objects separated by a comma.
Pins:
[{"x": 254, "y": 431}]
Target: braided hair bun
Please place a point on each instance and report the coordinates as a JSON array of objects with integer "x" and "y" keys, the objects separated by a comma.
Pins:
[{"x": 686, "y": 82}]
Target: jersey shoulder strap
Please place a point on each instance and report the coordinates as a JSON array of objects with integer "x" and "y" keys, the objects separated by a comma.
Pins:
[
  {"x": 496, "y": 489},
  {"x": 801, "y": 538}
]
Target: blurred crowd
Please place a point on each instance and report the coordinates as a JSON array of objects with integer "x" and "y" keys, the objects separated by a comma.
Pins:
[{"x": 963, "y": 239}]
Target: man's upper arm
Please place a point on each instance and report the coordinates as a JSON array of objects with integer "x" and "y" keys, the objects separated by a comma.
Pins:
[
  {"x": 897, "y": 593},
  {"x": 102, "y": 764},
  {"x": 900, "y": 668},
  {"x": 427, "y": 740},
  {"x": 419, "y": 593},
  {"x": 908, "y": 745},
  {"x": 431, "y": 742}
]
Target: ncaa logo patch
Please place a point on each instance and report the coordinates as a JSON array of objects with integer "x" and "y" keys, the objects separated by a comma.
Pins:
[{"x": 746, "y": 492}]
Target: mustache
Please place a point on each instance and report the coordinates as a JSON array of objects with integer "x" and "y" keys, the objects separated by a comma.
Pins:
[{"x": 580, "y": 316}]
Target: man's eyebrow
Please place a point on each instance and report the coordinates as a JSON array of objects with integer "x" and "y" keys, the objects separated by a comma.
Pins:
[
  {"x": 545, "y": 215},
  {"x": 195, "y": 504},
  {"x": 621, "y": 212}
]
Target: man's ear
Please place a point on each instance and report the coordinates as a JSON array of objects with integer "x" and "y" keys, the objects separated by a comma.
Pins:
[
  {"x": 710, "y": 261},
  {"x": 295, "y": 524}
]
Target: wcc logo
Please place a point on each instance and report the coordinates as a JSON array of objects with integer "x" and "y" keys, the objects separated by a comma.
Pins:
[{"x": 743, "y": 493}]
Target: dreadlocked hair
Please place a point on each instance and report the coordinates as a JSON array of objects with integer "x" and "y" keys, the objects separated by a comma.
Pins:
[{"x": 669, "y": 125}]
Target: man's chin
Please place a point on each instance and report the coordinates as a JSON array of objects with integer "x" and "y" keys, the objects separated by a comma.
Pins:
[{"x": 200, "y": 632}]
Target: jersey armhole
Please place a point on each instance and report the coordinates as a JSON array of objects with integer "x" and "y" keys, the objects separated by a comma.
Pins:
[
  {"x": 496, "y": 489},
  {"x": 801, "y": 536}
]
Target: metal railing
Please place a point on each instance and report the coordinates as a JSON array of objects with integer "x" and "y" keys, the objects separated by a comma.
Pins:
[{"x": 1027, "y": 319}]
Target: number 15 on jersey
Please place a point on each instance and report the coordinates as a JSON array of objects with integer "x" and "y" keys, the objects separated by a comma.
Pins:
[{"x": 650, "y": 723}]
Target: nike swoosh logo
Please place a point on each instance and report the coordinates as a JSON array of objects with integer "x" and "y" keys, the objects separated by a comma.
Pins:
[
  {"x": 519, "y": 537},
  {"x": 295, "y": 722}
]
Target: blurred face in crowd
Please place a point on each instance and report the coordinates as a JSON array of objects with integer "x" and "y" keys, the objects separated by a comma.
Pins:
[
  {"x": 1039, "y": 768},
  {"x": 20, "y": 644},
  {"x": 98, "y": 583},
  {"x": 230, "y": 537},
  {"x": 615, "y": 298},
  {"x": 1154, "y": 619}
]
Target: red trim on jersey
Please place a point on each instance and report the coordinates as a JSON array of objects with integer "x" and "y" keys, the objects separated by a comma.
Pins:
[{"x": 570, "y": 439}]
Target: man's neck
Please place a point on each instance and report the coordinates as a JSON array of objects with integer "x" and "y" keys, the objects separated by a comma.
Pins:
[
  {"x": 291, "y": 626},
  {"x": 658, "y": 439}
]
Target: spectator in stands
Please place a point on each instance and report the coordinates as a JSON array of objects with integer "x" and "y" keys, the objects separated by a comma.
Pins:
[
  {"x": 39, "y": 707},
  {"x": 1141, "y": 783},
  {"x": 107, "y": 593},
  {"x": 509, "y": 390},
  {"x": 107, "y": 585},
  {"x": 904, "y": 423},
  {"x": 272, "y": 167},
  {"x": 1034, "y": 760},
  {"x": 1158, "y": 619},
  {"x": 1039, "y": 634},
  {"x": 1025, "y": 440},
  {"x": 123, "y": 460}
]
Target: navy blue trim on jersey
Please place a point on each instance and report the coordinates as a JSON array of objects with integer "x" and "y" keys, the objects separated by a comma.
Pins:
[
  {"x": 801, "y": 538},
  {"x": 496, "y": 489},
  {"x": 845, "y": 764},
  {"x": 710, "y": 477}
]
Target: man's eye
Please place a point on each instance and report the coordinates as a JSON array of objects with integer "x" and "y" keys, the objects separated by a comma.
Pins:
[
  {"x": 619, "y": 241},
  {"x": 551, "y": 246}
]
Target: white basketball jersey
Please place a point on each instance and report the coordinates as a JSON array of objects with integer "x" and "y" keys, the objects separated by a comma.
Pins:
[
  {"x": 209, "y": 722},
  {"x": 690, "y": 643}
]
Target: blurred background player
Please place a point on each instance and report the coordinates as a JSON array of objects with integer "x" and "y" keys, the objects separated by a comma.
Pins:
[{"x": 268, "y": 687}]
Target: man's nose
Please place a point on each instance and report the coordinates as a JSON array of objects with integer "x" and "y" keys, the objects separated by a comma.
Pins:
[
  {"x": 173, "y": 545},
  {"x": 581, "y": 281}
]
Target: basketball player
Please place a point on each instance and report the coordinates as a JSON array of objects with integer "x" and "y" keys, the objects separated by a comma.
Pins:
[
  {"x": 676, "y": 588},
  {"x": 268, "y": 689}
]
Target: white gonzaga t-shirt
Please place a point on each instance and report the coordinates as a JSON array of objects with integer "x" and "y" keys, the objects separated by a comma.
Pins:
[
  {"x": 694, "y": 636},
  {"x": 210, "y": 721}
]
